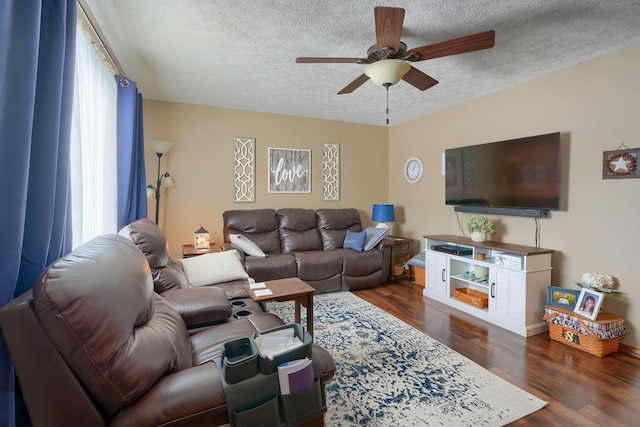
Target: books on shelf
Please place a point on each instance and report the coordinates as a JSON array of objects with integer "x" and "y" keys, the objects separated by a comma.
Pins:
[{"x": 295, "y": 376}]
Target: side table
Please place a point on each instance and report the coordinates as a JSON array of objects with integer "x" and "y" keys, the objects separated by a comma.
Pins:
[
  {"x": 288, "y": 289},
  {"x": 401, "y": 252},
  {"x": 190, "y": 250}
]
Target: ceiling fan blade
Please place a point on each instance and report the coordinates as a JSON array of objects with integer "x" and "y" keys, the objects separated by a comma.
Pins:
[
  {"x": 312, "y": 60},
  {"x": 464, "y": 44},
  {"x": 354, "y": 84},
  {"x": 419, "y": 79},
  {"x": 388, "y": 26}
]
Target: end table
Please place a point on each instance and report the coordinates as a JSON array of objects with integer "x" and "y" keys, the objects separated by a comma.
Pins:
[
  {"x": 401, "y": 252},
  {"x": 190, "y": 250}
]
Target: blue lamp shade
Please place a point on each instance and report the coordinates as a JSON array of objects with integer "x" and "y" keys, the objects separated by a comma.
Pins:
[{"x": 383, "y": 213}]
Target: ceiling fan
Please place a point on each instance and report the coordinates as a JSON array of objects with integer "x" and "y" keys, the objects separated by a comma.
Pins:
[{"x": 388, "y": 60}]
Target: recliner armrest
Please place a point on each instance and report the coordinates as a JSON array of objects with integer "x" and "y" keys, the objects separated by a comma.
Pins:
[
  {"x": 193, "y": 396},
  {"x": 199, "y": 306}
]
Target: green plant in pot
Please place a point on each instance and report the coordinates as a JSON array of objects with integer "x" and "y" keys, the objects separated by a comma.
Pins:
[{"x": 479, "y": 226}]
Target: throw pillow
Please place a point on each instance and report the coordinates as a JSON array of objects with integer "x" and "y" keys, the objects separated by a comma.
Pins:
[
  {"x": 246, "y": 245},
  {"x": 214, "y": 267},
  {"x": 374, "y": 236},
  {"x": 354, "y": 240}
]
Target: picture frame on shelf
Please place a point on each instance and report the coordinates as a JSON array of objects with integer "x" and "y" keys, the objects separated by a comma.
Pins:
[
  {"x": 589, "y": 303},
  {"x": 562, "y": 297}
]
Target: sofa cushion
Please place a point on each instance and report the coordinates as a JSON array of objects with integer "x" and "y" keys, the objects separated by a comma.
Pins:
[
  {"x": 355, "y": 240},
  {"x": 246, "y": 245},
  {"x": 150, "y": 239},
  {"x": 374, "y": 236},
  {"x": 259, "y": 225},
  {"x": 318, "y": 265},
  {"x": 334, "y": 223},
  {"x": 171, "y": 276},
  {"x": 298, "y": 230},
  {"x": 214, "y": 267},
  {"x": 276, "y": 266},
  {"x": 360, "y": 263}
]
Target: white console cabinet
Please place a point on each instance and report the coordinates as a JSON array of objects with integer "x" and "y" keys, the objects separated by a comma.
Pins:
[{"x": 513, "y": 278}]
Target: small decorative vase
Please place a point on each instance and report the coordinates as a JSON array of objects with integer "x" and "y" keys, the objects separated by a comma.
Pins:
[{"x": 478, "y": 236}]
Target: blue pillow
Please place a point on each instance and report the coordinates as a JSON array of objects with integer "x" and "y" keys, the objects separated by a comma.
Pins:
[
  {"x": 374, "y": 236},
  {"x": 354, "y": 240}
]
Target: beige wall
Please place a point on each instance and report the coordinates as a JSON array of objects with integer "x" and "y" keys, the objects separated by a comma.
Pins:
[
  {"x": 202, "y": 160},
  {"x": 595, "y": 107}
]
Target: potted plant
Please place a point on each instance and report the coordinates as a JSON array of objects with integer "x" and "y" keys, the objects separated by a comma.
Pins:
[{"x": 479, "y": 226}]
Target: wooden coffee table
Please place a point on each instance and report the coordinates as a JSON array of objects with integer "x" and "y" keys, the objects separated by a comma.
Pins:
[{"x": 291, "y": 289}]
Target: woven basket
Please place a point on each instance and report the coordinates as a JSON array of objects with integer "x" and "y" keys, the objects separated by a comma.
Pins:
[
  {"x": 471, "y": 296},
  {"x": 398, "y": 270},
  {"x": 589, "y": 342}
]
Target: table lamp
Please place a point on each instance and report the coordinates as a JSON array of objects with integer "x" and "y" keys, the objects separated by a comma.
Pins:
[{"x": 383, "y": 214}]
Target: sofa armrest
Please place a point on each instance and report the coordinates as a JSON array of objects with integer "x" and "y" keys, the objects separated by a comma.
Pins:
[
  {"x": 386, "y": 242},
  {"x": 199, "y": 306},
  {"x": 193, "y": 396}
]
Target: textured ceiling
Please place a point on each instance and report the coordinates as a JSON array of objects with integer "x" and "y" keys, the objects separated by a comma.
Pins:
[{"x": 240, "y": 54}]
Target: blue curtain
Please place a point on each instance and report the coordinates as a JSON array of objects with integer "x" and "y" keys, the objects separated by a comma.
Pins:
[
  {"x": 37, "y": 55},
  {"x": 132, "y": 181}
]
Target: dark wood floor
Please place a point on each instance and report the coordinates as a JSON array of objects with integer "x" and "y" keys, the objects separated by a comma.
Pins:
[{"x": 582, "y": 390}]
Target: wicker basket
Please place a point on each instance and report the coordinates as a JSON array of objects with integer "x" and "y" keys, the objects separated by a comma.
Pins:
[
  {"x": 585, "y": 342},
  {"x": 398, "y": 270},
  {"x": 471, "y": 296}
]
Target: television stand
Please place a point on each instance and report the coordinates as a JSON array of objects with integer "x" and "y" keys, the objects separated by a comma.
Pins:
[{"x": 501, "y": 283}]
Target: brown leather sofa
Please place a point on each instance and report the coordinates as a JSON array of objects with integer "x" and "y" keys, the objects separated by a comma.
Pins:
[
  {"x": 94, "y": 345},
  {"x": 198, "y": 305},
  {"x": 308, "y": 244}
]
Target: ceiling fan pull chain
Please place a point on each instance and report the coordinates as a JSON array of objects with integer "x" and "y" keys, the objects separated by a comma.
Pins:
[{"x": 387, "y": 104}]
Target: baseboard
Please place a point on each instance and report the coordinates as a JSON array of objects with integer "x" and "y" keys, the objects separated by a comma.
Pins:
[{"x": 631, "y": 351}]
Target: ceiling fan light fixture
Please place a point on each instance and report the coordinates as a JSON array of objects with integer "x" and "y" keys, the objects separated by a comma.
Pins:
[{"x": 387, "y": 72}]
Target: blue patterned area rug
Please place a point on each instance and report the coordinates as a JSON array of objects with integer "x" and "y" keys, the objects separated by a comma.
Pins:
[{"x": 390, "y": 374}]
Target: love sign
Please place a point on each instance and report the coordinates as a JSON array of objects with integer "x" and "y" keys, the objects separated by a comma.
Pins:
[{"x": 289, "y": 170}]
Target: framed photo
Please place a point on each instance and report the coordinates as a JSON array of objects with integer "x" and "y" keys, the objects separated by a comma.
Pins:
[
  {"x": 618, "y": 164},
  {"x": 589, "y": 303},
  {"x": 289, "y": 170},
  {"x": 562, "y": 297}
]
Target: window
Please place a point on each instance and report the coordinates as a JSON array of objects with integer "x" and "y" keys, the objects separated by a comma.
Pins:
[{"x": 93, "y": 144}]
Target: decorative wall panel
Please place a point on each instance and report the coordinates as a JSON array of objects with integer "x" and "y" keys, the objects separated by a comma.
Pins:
[
  {"x": 244, "y": 170},
  {"x": 330, "y": 172}
]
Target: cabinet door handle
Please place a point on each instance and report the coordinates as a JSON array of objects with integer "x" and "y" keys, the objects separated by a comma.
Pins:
[
  {"x": 493, "y": 285},
  {"x": 443, "y": 279}
]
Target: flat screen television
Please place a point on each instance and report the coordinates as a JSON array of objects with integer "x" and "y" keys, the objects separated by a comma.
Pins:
[{"x": 517, "y": 173}]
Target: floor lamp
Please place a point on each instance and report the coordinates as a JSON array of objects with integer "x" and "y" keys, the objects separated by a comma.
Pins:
[{"x": 160, "y": 148}]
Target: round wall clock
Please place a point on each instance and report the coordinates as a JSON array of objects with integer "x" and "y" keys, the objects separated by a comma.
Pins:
[{"x": 413, "y": 169}]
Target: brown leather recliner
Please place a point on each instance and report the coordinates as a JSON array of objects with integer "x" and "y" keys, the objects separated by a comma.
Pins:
[
  {"x": 94, "y": 345},
  {"x": 199, "y": 306}
]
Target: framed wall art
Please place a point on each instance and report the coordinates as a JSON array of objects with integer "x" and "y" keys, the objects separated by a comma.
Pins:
[
  {"x": 562, "y": 297},
  {"x": 330, "y": 172},
  {"x": 289, "y": 170},
  {"x": 244, "y": 170},
  {"x": 620, "y": 163}
]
